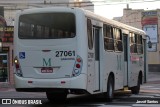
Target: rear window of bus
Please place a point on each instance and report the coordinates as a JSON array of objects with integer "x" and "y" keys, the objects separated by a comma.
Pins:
[{"x": 47, "y": 26}]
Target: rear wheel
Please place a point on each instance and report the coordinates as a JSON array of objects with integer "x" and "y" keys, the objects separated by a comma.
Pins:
[
  {"x": 110, "y": 89},
  {"x": 56, "y": 96},
  {"x": 136, "y": 89}
]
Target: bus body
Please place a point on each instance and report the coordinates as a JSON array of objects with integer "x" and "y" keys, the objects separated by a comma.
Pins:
[{"x": 70, "y": 50}]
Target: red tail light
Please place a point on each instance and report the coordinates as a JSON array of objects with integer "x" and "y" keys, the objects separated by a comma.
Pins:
[
  {"x": 17, "y": 67},
  {"x": 78, "y": 66},
  {"x": 78, "y": 60},
  {"x": 16, "y": 63}
]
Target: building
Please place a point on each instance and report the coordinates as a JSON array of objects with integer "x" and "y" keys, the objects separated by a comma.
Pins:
[
  {"x": 149, "y": 21},
  {"x": 6, "y": 58}
]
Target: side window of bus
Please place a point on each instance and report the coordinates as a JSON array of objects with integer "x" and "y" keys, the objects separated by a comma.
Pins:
[
  {"x": 108, "y": 37},
  {"x": 117, "y": 33},
  {"x": 133, "y": 41},
  {"x": 89, "y": 33},
  {"x": 139, "y": 44}
]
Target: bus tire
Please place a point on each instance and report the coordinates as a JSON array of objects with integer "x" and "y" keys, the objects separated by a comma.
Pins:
[
  {"x": 110, "y": 89},
  {"x": 56, "y": 97},
  {"x": 136, "y": 89}
]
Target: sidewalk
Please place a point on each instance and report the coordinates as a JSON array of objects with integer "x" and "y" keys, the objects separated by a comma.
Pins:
[
  {"x": 5, "y": 86},
  {"x": 153, "y": 84},
  {"x": 7, "y": 89},
  {"x": 153, "y": 76}
]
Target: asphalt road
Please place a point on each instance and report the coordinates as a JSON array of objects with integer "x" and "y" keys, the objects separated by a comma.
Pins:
[{"x": 122, "y": 99}]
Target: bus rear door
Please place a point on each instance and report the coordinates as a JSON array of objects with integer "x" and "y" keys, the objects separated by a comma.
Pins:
[
  {"x": 125, "y": 42},
  {"x": 96, "y": 35}
]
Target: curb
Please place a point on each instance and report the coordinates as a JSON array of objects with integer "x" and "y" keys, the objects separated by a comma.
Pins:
[{"x": 6, "y": 89}]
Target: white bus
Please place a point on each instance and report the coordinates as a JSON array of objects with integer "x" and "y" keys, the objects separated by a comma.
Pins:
[{"x": 61, "y": 50}]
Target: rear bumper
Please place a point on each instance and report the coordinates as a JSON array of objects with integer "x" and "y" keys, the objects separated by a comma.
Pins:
[{"x": 31, "y": 84}]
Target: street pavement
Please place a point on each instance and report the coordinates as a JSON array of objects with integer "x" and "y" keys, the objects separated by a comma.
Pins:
[
  {"x": 149, "y": 91},
  {"x": 149, "y": 96},
  {"x": 153, "y": 84}
]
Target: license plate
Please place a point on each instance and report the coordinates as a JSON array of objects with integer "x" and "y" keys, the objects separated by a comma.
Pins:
[{"x": 46, "y": 70}]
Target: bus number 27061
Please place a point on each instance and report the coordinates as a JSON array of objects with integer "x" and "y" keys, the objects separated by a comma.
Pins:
[{"x": 65, "y": 53}]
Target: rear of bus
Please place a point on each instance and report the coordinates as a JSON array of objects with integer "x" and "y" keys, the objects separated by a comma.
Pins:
[{"x": 47, "y": 53}]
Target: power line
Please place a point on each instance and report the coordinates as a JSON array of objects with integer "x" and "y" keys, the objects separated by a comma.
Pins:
[
  {"x": 102, "y": 2},
  {"x": 75, "y": 4},
  {"x": 94, "y": 3}
]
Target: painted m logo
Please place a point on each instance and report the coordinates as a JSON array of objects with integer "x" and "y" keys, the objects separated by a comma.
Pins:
[{"x": 46, "y": 62}]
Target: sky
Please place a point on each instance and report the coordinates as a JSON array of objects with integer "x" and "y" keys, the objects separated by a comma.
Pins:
[{"x": 116, "y": 10}]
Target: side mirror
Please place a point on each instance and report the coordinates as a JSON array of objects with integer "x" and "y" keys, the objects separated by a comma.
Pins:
[{"x": 149, "y": 44}]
